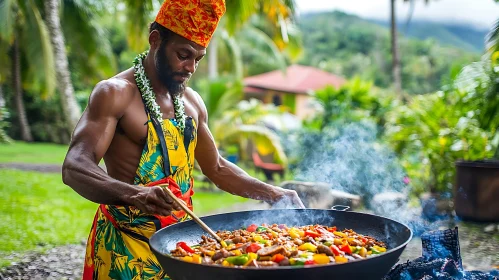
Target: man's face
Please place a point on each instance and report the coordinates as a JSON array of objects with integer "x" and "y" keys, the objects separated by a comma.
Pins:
[{"x": 176, "y": 60}]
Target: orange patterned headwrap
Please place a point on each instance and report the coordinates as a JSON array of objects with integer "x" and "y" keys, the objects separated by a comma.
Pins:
[{"x": 195, "y": 20}]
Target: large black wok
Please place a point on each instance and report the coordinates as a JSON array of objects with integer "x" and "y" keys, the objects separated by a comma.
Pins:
[{"x": 394, "y": 234}]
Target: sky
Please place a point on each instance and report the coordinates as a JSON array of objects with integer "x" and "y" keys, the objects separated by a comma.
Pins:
[{"x": 479, "y": 13}]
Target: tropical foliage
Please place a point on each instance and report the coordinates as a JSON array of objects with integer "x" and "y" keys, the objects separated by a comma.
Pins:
[{"x": 459, "y": 122}]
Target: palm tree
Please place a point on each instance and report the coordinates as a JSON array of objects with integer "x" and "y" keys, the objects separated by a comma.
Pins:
[
  {"x": 25, "y": 34},
  {"x": 91, "y": 50},
  {"x": 70, "y": 107},
  {"x": 396, "y": 69},
  {"x": 31, "y": 50},
  {"x": 397, "y": 76},
  {"x": 238, "y": 12},
  {"x": 275, "y": 14}
]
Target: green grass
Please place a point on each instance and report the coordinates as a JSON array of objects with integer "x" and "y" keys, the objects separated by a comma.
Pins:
[
  {"x": 21, "y": 152},
  {"x": 205, "y": 202},
  {"x": 38, "y": 211}
]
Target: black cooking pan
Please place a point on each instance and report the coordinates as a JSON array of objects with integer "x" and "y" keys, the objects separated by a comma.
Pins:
[{"x": 394, "y": 234}]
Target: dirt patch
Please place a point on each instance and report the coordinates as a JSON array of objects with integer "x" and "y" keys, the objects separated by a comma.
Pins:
[{"x": 45, "y": 168}]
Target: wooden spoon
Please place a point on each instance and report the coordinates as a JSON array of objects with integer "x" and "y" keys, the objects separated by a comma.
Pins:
[{"x": 193, "y": 216}]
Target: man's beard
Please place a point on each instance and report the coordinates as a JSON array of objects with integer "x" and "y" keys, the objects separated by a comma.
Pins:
[{"x": 166, "y": 74}]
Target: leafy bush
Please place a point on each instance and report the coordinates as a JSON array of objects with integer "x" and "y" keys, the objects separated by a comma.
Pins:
[
  {"x": 459, "y": 122},
  {"x": 354, "y": 101},
  {"x": 4, "y": 114}
]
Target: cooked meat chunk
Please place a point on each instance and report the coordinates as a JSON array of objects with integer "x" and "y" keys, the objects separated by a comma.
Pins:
[
  {"x": 324, "y": 250},
  {"x": 272, "y": 250}
]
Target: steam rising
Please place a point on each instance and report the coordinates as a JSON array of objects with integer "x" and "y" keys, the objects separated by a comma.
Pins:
[{"x": 350, "y": 158}]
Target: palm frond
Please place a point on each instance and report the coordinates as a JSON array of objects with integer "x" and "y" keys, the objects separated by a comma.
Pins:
[
  {"x": 38, "y": 49},
  {"x": 493, "y": 37},
  {"x": 139, "y": 15},
  {"x": 237, "y": 13},
  {"x": 219, "y": 96},
  {"x": 234, "y": 52},
  {"x": 265, "y": 140},
  {"x": 261, "y": 41},
  {"x": 88, "y": 42},
  {"x": 7, "y": 19}
]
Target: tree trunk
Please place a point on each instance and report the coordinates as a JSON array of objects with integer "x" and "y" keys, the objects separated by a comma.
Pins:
[
  {"x": 70, "y": 108},
  {"x": 397, "y": 79},
  {"x": 18, "y": 93},
  {"x": 213, "y": 59}
]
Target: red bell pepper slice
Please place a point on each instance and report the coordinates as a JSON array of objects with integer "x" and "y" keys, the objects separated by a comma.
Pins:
[
  {"x": 331, "y": 229},
  {"x": 252, "y": 228},
  {"x": 346, "y": 249},
  {"x": 184, "y": 246},
  {"x": 277, "y": 258},
  {"x": 253, "y": 248},
  {"x": 335, "y": 249},
  {"x": 312, "y": 234},
  {"x": 309, "y": 262}
]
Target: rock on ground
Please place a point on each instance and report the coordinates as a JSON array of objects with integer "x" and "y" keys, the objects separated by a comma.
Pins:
[{"x": 63, "y": 262}]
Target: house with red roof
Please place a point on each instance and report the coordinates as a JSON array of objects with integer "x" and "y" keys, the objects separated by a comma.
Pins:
[{"x": 293, "y": 88}]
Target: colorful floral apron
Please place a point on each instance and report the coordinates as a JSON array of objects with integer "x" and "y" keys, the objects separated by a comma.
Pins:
[{"x": 118, "y": 244}]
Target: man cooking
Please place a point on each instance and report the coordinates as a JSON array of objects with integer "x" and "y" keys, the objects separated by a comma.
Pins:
[{"x": 150, "y": 128}]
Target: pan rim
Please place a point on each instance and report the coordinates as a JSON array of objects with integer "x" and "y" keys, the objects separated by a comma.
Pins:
[{"x": 351, "y": 262}]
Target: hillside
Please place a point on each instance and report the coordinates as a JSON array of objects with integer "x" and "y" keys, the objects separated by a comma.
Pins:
[
  {"x": 350, "y": 46},
  {"x": 457, "y": 35}
]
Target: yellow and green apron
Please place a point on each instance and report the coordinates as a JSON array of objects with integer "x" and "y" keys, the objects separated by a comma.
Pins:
[{"x": 118, "y": 244}]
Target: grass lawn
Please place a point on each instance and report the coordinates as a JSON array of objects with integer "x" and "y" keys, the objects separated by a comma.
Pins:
[
  {"x": 21, "y": 152},
  {"x": 39, "y": 211}
]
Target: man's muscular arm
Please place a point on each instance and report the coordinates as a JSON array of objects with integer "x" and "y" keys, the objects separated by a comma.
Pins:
[
  {"x": 229, "y": 177},
  {"x": 91, "y": 139}
]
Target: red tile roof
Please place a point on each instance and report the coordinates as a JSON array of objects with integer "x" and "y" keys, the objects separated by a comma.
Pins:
[{"x": 297, "y": 79}]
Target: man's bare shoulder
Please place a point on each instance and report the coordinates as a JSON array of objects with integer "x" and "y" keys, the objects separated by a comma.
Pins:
[
  {"x": 113, "y": 94},
  {"x": 195, "y": 98}
]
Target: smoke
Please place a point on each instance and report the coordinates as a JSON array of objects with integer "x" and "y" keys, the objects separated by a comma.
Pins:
[{"x": 350, "y": 158}]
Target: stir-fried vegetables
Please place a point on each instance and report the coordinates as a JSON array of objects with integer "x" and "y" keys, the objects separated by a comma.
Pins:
[{"x": 279, "y": 245}]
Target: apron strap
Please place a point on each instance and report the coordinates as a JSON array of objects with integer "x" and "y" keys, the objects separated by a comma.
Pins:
[
  {"x": 161, "y": 136},
  {"x": 188, "y": 133}
]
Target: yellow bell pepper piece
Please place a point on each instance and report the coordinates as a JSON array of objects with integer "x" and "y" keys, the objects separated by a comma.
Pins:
[
  {"x": 252, "y": 256},
  {"x": 224, "y": 245},
  {"x": 308, "y": 247},
  {"x": 187, "y": 259},
  {"x": 274, "y": 234},
  {"x": 257, "y": 238},
  {"x": 379, "y": 249},
  {"x": 340, "y": 234},
  {"x": 210, "y": 253},
  {"x": 363, "y": 252},
  {"x": 237, "y": 252},
  {"x": 294, "y": 234},
  {"x": 196, "y": 258},
  {"x": 225, "y": 263},
  {"x": 340, "y": 259},
  {"x": 321, "y": 259},
  {"x": 338, "y": 241},
  {"x": 301, "y": 233}
]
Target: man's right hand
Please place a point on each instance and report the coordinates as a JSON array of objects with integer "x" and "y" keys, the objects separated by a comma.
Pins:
[{"x": 154, "y": 200}]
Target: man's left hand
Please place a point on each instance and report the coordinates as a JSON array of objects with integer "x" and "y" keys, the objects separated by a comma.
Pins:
[{"x": 288, "y": 198}]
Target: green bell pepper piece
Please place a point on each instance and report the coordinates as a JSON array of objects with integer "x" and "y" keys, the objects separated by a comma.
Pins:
[{"x": 238, "y": 260}]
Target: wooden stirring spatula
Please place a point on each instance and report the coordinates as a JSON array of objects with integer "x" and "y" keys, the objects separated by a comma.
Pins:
[{"x": 193, "y": 216}]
